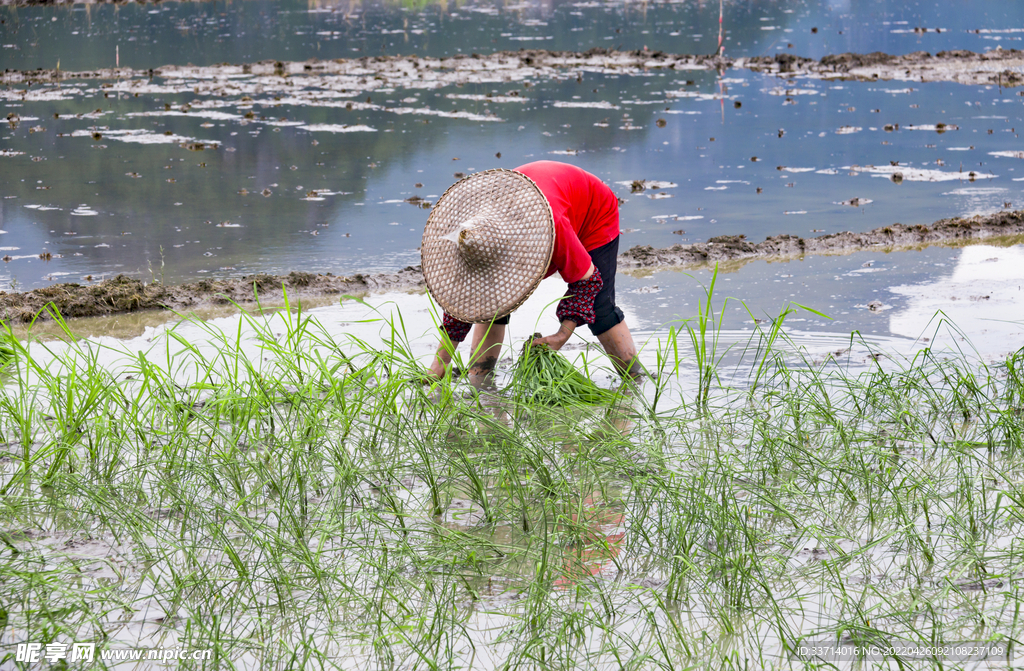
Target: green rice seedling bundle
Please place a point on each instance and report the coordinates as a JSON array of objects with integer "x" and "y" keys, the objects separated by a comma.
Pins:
[{"x": 548, "y": 378}]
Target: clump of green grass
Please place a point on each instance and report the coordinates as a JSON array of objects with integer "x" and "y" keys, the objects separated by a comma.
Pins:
[
  {"x": 548, "y": 378},
  {"x": 284, "y": 496}
]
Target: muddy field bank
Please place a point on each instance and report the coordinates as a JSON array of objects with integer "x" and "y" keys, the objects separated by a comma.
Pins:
[
  {"x": 891, "y": 238},
  {"x": 999, "y": 66},
  {"x": 123, "y": 294}
]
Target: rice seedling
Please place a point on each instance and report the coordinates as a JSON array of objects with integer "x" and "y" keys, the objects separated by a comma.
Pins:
[
  {"x": 287, "y": 497},
  {"x": 548, "y": 378}
]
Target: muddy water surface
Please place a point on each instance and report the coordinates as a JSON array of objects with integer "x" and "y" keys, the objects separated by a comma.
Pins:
[
  {"x": 272, "y": 162},
  {"x": 267, "y": 173}
]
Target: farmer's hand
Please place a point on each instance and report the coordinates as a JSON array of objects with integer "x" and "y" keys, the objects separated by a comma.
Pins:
[{"x": 559, "y": 338}]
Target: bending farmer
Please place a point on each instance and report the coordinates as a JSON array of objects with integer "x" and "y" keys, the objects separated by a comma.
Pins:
[{"x": 493, "y": 236}]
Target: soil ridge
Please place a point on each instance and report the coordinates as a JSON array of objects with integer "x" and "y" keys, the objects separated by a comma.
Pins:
[
  {"x": 894, "y": 237},
  {"x": 1004, "y": 67},
  {"x": 123, "y": 294}
]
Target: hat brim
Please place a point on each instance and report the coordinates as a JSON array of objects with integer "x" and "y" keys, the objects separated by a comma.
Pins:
[{"x": 476, "y": 294}]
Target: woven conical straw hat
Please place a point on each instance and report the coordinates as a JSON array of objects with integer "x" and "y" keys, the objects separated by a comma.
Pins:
[{"x": 487, "y": 244}]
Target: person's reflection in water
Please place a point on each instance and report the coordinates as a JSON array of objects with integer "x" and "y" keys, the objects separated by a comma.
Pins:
[
  {"x": 592, "y": 520},
  {"x": 598, "y": 524}
]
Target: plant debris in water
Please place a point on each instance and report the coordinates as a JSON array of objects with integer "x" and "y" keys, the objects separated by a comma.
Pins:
[{"x": 550, "y": 379}]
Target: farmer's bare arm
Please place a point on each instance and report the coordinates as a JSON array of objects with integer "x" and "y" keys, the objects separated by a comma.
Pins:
[
  {"x": 556, "y": 340},
  {"x": 559, "y": 338}
]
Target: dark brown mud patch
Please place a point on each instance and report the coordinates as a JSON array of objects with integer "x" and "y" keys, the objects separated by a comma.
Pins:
[
  {"x": 896, "y": 237},
  {"x": 123, "y": 294}
]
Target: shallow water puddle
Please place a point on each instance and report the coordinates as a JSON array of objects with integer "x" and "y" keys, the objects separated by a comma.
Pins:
[{"x": 902, "y": 299}]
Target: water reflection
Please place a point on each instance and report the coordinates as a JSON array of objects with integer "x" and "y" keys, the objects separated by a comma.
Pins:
[
  {"x": 982, "y": 296},
  {"x": 89, "y": 36},
  {"x": 230, "y": 174},
  {"x": 233, "y": 171}
]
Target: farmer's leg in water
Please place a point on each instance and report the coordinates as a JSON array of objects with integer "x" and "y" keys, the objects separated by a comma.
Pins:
[
  {"x": 486, "y": 350},
  {"x": 618, "y": 345},
  {"x": 442, "y": 357},
  {"x": 609, "y": 324}
]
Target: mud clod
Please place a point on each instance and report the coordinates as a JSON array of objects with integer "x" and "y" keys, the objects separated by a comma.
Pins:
[
  {"x": 847, "y": 61},
  {"x": 420, "y": 202},
  {"x": 1002, "y": 66},
  {"x": 300, "y": 279},
  {"x": 122, "y": 294},
  {"x": 890, "y": 238}
]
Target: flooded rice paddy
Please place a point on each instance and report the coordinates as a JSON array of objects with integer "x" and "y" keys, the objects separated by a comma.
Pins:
[
  {"x": 827, "y": 448},
  {"x": 273, "y": 486}
]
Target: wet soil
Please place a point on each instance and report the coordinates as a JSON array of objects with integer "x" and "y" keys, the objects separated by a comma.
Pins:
[
  {"x": 123, "y": 294},
  {"x": 889, "y": 238},
  {"x": 999, "y": 66}
]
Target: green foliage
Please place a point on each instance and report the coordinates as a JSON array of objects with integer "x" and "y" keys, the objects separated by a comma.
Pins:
[
  {"x": 548, "y": 378},
  {"x": 285, "y": 497}
]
